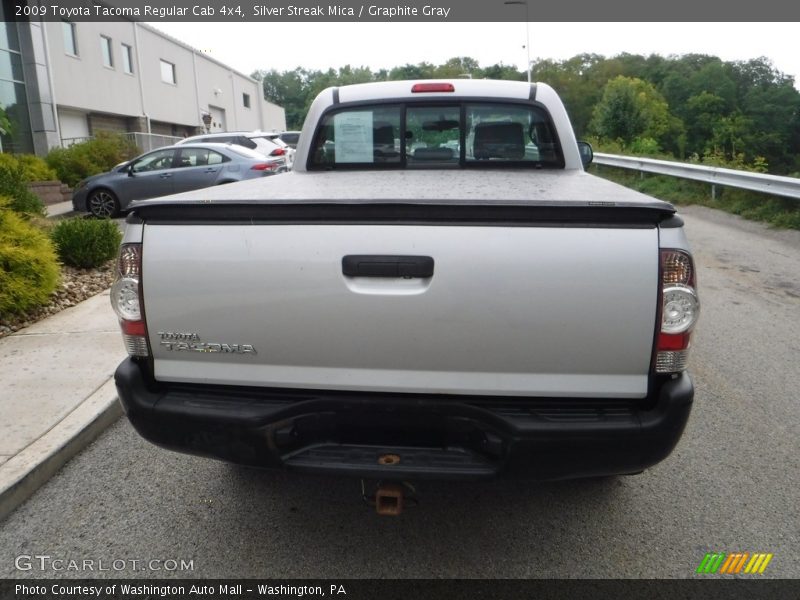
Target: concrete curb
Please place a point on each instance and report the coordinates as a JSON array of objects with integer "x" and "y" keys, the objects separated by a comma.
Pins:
[
  {"x": 27, "y": 471},
  {"x": 61, "y": 210}
]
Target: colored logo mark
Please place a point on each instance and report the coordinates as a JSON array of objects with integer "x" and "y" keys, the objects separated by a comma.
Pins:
[{"x": 734, "y": 563}]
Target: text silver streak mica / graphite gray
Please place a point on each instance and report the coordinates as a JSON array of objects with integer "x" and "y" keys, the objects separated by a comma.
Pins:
[{"x": 438, "y": 281}]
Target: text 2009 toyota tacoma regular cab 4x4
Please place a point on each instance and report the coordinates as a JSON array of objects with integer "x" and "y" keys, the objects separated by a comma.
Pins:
[{"x": 438, "y": 290}]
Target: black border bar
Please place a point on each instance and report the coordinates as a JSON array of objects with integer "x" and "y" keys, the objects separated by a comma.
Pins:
[
  {"x": 414, "y": 11},
  {"x": 708, "y": 588}
]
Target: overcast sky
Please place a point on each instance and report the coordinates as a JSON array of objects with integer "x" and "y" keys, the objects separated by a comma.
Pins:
[{"x": 284, "y": 46}]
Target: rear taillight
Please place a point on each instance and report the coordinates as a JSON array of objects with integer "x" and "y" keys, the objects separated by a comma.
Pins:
[
  {"x": 264, "y": 167},
  {"x": 278, "y": 152},
  {"x": 679, "y": 310},
  {"x": 127, "y": 302}
]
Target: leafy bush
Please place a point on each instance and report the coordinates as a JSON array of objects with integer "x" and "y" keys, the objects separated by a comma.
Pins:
[
  {"x": 644, "y": 146},
  {"x": 29, "y": 270},
  {"x": 92, "y": 157},
  {"x": 14, "y": 186},
  {"x": 33, "y": 167},
  {"x": 86, "y": 243}
]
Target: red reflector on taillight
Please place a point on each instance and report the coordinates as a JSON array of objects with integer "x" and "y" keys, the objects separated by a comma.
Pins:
[
  {"x": 263, "y": 167},
  {"x": 133, "y": 327},
  {"x": 678, "y": 341},
  {"x": 422, "y": 88},
  {"x": 278, "y": 152}
]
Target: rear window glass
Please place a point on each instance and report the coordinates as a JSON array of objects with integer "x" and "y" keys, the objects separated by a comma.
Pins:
[
  {"x": 246, "y": 152},
  {"x": 263, "y": 144},
  {"x": 198, "y": 157},
  {"x": 436, "y": 135},
  {"x": 290, "y": 138}
]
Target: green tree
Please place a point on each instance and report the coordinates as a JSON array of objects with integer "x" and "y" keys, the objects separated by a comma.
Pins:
[
  {"x": 423, "y": 70},
  {"x": 457, "y": 67},
  {"x": 288, "y": 89},
  {"x": 705, "y": 113},
  {"x": 5, "y": 124},
  {"x": 630, "y": 108},
  {"x": 500, "y": 71}
]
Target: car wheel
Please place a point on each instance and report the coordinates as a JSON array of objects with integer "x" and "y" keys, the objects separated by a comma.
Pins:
[{"x": 103, "y": 204}]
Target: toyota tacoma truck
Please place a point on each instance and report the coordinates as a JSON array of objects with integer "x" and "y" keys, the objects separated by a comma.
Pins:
[{"x": 438, "y": 290}]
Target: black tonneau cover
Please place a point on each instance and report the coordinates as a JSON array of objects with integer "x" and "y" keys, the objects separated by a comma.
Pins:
[{"x": 440, "y": 196}]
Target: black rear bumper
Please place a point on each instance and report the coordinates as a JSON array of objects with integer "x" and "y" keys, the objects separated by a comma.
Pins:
[{"x": 428, "y": 436}]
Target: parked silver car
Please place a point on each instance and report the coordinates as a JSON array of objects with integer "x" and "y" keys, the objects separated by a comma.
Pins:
[
  {"x": 259, "y": 141},
  {"x": 167, "y": 171}
]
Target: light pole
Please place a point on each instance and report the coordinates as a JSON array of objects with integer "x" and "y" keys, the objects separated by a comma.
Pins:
[{"x": 527, "y": 35}]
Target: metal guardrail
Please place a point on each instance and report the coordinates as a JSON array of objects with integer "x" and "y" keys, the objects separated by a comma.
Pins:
[{"x": 777, "y": 185}]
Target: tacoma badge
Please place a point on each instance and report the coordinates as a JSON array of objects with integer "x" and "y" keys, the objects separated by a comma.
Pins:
[{"x": 190, "y": 342}]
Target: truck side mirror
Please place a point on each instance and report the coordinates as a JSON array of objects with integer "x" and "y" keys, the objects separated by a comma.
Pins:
[{"x": 586, "y": 152}]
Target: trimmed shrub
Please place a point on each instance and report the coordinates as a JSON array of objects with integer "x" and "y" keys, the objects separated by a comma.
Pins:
[
  {"x": 33, "y": 167},
  {"x": 14, "y": 186},
  {"x": 86, "y": 243},
  {"x": 83, "y": 160},
  {"x": 29, "y": 271}
]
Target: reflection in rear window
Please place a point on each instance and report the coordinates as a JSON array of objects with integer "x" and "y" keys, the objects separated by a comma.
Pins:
[
  {"x": 246, "y": 152},
  {"x": 436, "y": 135}
]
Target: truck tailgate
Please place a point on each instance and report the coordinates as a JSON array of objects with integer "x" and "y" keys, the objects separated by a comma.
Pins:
[{"x": 534, "y": 311}]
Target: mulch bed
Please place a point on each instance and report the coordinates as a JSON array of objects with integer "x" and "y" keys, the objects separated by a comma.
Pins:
[{"x": 76, "y": 286}]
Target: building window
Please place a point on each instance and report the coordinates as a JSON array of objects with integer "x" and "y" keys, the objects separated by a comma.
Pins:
[
  {"x": 70, "y": 40},
  {"x": 127, "y": 58},
  {"x": 246, "y": 100},
  {"x": 13, "y": 97},
  {"x": 168, "y": 72},
  {"x": 105, "y": 48}
]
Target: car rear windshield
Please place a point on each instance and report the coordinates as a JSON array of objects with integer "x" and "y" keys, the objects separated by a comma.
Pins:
[
  {"x": 290, "y": 138},
  {"x": 263, "y": 144},
  {"x": 246, "y": 152},
  {"x": 466, "y": 134}
]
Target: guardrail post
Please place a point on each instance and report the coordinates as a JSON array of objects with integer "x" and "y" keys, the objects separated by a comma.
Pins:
[{"x": 713, "y": 192}]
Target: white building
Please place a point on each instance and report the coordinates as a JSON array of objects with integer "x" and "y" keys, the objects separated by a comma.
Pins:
[{"x": 79, "y": 78}]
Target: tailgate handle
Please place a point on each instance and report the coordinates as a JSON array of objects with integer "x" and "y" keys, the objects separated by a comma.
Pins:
[{"x": 367, "y": 265}]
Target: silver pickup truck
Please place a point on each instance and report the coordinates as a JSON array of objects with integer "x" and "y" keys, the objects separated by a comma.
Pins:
[{"x": 438, "y": 290}]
